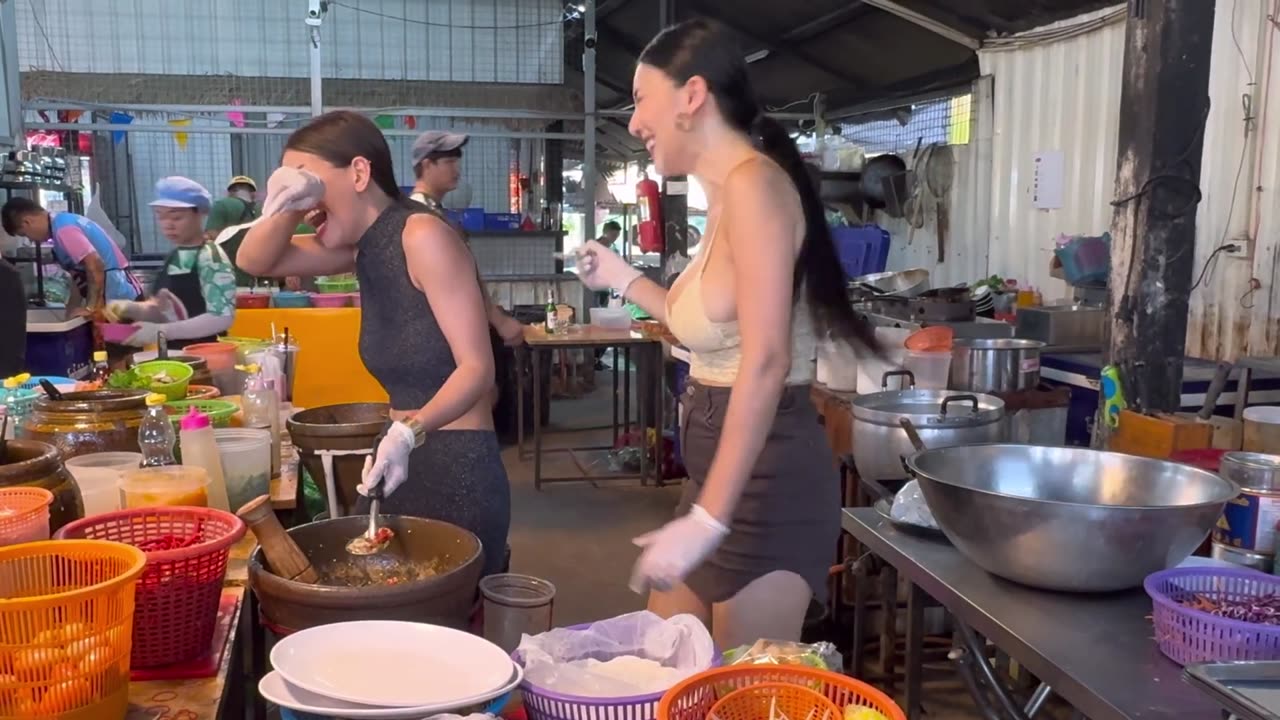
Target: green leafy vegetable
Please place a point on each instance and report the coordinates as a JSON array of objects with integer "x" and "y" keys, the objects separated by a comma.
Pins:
[{"x": 128, "y": 380}]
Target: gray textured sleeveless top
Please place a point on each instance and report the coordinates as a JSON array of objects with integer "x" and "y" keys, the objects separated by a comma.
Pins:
[{"x": 401, "y": 343}]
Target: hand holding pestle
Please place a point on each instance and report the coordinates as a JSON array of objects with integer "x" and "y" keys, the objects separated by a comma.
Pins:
[{"x": 286, "y": 558}]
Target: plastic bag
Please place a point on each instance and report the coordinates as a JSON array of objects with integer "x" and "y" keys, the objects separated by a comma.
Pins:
[
  {"x": 910, "y": 507},
  {"x": 634, "y": 654},
  {"x": 822, "y": 656}
]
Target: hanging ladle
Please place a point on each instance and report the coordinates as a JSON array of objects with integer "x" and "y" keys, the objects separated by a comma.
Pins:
[{"x": 375, "y": 538}]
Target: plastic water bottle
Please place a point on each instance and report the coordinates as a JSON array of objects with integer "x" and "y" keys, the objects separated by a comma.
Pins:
[
  {"x": 155, "y": 436},
  {"x": 15, "y": 406}
]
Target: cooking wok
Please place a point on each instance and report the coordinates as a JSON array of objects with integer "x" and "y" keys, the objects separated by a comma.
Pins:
[
  {"x": 1070, "y": 519},
  {"x": 903, "y": 283}
]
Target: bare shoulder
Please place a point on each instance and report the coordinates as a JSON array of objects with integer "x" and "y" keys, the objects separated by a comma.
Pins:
[{"x": 762, "y": 184}]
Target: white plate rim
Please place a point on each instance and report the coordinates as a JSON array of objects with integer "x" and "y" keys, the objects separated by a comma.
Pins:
[
  {"x": 282, "y": 646},
  {"x": 385, "y": 713}
]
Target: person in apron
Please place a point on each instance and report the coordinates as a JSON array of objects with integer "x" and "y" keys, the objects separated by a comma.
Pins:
[
  {"x": 193, "y": 297},
  {"x": 80, "y": 246}
]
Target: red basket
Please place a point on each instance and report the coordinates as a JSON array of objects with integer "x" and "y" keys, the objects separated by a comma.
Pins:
[{"x": 178, "y": 593}]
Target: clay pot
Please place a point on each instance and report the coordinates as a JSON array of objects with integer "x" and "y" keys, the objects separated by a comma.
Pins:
[
  {"x": 28, "y": 463},
  {"x": 350, "y": 426},
  {"x": 87, "y": 422}
]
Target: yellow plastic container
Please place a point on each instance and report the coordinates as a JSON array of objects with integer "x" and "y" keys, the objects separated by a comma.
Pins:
[
  {"x": 170, "y": 485},
  {"x": 66, "y": 628}
]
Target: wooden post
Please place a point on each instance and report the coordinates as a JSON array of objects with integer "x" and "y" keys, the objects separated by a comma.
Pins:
[{"x": 1164, "y": 104}]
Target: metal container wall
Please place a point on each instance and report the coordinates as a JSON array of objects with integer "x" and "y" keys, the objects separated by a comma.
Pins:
[
  {"x": 880, "y": 443},
  {"x": 995, "y": 365},
  {"x": 1249, "y": 520}
]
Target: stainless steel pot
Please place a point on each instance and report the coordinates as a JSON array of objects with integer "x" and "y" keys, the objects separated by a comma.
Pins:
[
  {"x": 990, "y": 365},
  {"x": 942, "y": 417}
]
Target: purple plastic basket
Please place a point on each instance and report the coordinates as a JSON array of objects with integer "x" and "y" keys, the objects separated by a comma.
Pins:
[
  {"x": 1188, "y": 636},
  {"x": 542, "y": 704}
]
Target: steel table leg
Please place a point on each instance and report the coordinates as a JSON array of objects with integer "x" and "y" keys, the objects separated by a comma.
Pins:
[
  {"x": 1038, "y": 699},
  {"x": 537, "y": 420},
  {"x": 626, "y": 390},
  {"x": 860, "y": 595},
  {"x": 520, "y": 364},
  {"x": 642, "y": 416},
  {"x": 914, "y": 662},
  {"x": 615, "y": 397},
  {"x": 888, "y": 624}
]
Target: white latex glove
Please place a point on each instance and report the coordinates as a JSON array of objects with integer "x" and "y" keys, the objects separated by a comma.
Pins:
[
  {"x": 389, "y": 467},
  {"x": 144, "y": 334},
  {"x": 674, "y": 550},
  {"x": 291, "y": 189},
  {"x": 600, "y": 268}
]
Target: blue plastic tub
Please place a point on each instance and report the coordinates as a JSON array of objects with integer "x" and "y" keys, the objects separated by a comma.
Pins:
[{"x": 290, "y": 299}]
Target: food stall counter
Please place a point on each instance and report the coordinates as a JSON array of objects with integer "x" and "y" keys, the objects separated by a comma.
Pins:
[{"x": 329, "y": 367}]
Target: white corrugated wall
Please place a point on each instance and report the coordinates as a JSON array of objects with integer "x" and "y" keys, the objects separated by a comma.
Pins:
[{"x": 1065, "y": 96}]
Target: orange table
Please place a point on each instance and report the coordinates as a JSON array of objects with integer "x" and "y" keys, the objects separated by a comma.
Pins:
[{"x": 329, "y": 367}]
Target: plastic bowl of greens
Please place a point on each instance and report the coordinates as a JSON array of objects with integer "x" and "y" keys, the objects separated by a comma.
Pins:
[{"x": 167, "y": 377}]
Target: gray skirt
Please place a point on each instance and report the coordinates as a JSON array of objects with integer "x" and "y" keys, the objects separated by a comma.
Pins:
[
  {"x": 457, "y": 476},
  {"x": 788, "y": 517}
]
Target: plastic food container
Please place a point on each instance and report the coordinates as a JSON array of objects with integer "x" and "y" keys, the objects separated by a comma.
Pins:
[
  {"x": 220, "y": 356},
  {"x": 62, "y": 596},
  {"x": 98, "y": 475},
  {"x": 253, "y": 301},
  {"x": 163, "y": 486},
  {"x": 355, "y": 299},
  {"x": 180, "y": 373},
  {"x": 246, "y": 463},
  {"x": 327, "y": 285},
  {"x": 24, "y": 514},
  {"x": 931, "y": 369},
  {"x": 116, "y": 332},
  {"x": 331, "y": 300},
  {"x": 1262, "y": 429},
  {"x": 611, "y": 318},
  {"x": 871, "y": 369},
  {"x": 290, "y": 299}
]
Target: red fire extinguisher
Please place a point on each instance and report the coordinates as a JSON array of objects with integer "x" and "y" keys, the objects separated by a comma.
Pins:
[{"x": 649, "y": 201}]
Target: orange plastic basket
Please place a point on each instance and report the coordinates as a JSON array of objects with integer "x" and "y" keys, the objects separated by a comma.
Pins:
[
  {"x": 781, "y": 701},
  {"x": 694, "y": 697},
  {"x": 66, "y": 623},
  {"x": 935, "y": 338},
  {"x": 24, "y": 514}
]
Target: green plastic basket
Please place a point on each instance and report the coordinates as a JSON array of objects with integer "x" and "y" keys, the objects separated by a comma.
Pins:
[
  {"x": 181, "y": 372},
  {"x": 337, "y": 286},
  {"x": 219, "y": 411}
]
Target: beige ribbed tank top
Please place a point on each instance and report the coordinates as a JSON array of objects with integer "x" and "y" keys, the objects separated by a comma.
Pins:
[{"x": 715, "y": 347}]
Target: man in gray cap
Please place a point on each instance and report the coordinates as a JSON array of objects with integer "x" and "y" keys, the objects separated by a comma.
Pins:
[{"x": 437, "y": 167}]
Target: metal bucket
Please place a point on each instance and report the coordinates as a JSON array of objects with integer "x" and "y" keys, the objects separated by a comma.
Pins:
[
  {"x": 995, "y": 364},
  {"x": 1249, "y": 520}
]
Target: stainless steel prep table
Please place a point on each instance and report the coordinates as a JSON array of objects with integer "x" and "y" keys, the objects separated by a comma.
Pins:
[{"x": 1095, "y": 651}]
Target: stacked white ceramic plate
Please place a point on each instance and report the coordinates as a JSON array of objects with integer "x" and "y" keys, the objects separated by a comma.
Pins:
[{"x": 386, "y": 670}]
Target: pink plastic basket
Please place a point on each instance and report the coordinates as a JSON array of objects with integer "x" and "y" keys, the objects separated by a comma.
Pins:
[{"x": 1187, "y": 636}]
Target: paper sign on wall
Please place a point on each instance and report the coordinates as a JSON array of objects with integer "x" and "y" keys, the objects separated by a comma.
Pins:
[{"x": 1047, "y": 180}]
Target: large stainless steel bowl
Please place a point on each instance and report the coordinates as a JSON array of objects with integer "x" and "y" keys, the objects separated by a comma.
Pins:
[{"x": 1069, "y": 519}]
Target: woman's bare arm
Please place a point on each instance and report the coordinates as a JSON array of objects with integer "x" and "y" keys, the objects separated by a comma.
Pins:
[
  {"x": 650, "y": 296},
  {"x": 761, "y": 211},
  {"x": 270, "y": 249},
  {"x": 443, "y": 269}
]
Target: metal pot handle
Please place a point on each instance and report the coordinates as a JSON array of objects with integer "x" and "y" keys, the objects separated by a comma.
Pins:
[
  {"x": 910, "y": 376},
  {"x": 959, "y": 398}
]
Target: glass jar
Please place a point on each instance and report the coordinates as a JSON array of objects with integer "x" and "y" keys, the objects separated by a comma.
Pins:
[
  {"x": 87, "y": 422},
  {"x": 28, "y": 463}
]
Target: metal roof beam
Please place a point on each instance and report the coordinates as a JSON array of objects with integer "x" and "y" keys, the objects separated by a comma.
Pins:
[
  {"x": 798, "y": 53},
  {"x": 832, "y": 20},
  {"x": 936, "y": 27}
]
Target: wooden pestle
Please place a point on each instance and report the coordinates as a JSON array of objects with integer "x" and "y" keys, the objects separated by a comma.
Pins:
[{"x": 286, "y": 558}]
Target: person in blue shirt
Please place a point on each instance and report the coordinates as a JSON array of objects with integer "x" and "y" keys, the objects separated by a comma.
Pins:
[{"x": 80, "y": 246}]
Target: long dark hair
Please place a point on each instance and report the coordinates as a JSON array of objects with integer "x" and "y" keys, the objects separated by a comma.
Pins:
[
  {"x": 342, "y": 136},
  {"x": 703, "y": 48}
]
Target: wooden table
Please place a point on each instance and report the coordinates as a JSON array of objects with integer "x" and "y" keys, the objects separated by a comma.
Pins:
[
  {"x": 587, "y": 337},
  {"x": 208, "y": 698}
]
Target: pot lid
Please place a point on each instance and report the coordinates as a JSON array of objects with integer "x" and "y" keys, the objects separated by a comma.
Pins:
[{"x": 925, "y": 408}]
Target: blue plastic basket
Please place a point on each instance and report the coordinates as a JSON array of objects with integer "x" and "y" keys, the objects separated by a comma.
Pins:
[{"x": 34, "y": 382}]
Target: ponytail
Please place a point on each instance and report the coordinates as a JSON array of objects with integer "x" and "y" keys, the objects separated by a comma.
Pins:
[{"x": 818, "y": 272}]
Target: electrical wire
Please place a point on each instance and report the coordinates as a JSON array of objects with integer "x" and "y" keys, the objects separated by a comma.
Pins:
[
  {"x": 47, "y": 43},
  {"x": 1050, "y": 35},
  {"x": 447, "y": 26},
  {"x": 1209, "y": 261}
]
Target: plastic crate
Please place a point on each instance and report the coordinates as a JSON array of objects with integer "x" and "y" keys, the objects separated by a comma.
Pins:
[
  {"x": 473, "y": 219},
  {"x": 502, "y": 221}
]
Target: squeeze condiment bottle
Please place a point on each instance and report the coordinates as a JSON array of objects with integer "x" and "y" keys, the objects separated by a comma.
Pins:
[
  {"x": 200, "y": 449},
  {"x": 259, "y": 404}
]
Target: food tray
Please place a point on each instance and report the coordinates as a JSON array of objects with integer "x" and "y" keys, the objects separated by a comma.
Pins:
[
  {"x": 1188, "y": 636},
  {"x": 1249, "y": 690}
]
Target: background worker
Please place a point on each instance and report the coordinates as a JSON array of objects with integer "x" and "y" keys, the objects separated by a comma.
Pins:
[
  {"x": 80, "y": 246},
  {"x": 237, "y": 207}
]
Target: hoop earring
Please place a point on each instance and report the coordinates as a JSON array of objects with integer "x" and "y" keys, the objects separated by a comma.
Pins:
[{"x": 684, "y": 123}]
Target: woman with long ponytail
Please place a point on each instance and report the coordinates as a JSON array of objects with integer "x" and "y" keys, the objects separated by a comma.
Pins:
[{"x": 751, "y": 543}]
